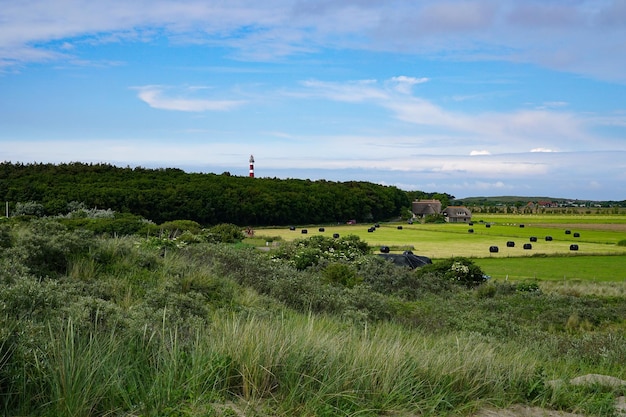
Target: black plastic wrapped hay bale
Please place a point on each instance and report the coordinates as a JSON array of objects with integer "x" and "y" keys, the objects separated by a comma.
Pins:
[
  {"x": 321, "y": 229},
  {"x": 470, "y": 224},
  {"x": 377, "y": 225},
  {"x": 384, "y": 249},
  {"x": 521, "y": 225},
  {"x": 510, "y": 244},
  {"x": 399, "y": 227},
  {"x": 304, "y": 231},
  {"x": 548, "y": 238},
  {"x": 533, "y": 238},
  {"x": 488, "y": 225},
  {"x": 573, "y": 247},
  {"x": 470, "y": 230},
  {"x": 528, "y": 246},
  {"x": 568, "y": 232},
  {"x": 336, "y": 235},
  {"x": 576, "y": 234},
  {"x": 371, "y": 229},
  {"x": 292, "y": 227},
  {"x": 493, "y": 249}
]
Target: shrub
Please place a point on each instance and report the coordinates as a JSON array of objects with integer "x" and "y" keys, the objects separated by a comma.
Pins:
[
  {"x": 45, "y": 247},
  {"x": 530, "y": 287},
  {"x": 303, "y": 253},
  {"x": 386, "y": 278},
  {"x": 460, "y": 271},
  {"x": 339, "y": 273},
  {"x": 224, "y": 233},
  {"x": 176, "y": 227},
  {"x": 30, "y": 208}
]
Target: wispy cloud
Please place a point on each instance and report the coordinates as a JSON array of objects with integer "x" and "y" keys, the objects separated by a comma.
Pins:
[
  {"x": 156, "y": 98},
  {"x": 517, "y": 129},
  {"x": 582, "y": 36}
]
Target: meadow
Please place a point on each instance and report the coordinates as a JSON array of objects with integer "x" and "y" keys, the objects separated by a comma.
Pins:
[{"x": 598, "y": 257}]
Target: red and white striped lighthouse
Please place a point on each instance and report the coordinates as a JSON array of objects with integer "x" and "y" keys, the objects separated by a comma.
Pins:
[{"x": 251, "y": 166}]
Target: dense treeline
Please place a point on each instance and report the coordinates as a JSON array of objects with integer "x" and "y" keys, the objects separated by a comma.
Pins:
[{"x": 168, "y": 194}]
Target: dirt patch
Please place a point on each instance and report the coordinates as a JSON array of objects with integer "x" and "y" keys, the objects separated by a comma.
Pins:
[{"x": 589, "y": 379}]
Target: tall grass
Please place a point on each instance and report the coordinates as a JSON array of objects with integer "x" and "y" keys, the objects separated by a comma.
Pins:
[
  {"x": 296, "y": 365},
  {"x": 327, "y": 368}
]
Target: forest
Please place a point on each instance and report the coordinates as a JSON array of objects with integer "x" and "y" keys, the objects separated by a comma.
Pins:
[{"x": 167, "y": 194}]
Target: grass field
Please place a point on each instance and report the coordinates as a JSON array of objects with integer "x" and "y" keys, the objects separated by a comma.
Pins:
[{"x": 598, "y": 256}]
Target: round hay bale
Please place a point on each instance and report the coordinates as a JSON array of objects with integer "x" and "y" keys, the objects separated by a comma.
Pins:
[
  {"x": 493, "y": 249},
  {"x": 533, "y": 238},
  {"x": 528, "y": 246},
  {"x": 510, "y": 244},
  {"x": 488, "y": 225},
  {"x": 470, "y": 230},
  {"x": 548, "y": 238},
  {"x": 377, "y": 225},
  {"x": 292, "y": 227},
  {"x": 384, "y": 249},
  {"x": 568, "y": 232},
  {"x": 336, "y": 235},
  {"x": 521, "y": 225},
  {"x": 399, "y": 227},
  {"x": 576, "y": 234},
  {"x": 371, "y": 229},
  {"x": 304, "y": 231},
  {"x": 573, "y": 247},
  {"x": 321, "y": 229},
  {"x": 470, "y": 224}
]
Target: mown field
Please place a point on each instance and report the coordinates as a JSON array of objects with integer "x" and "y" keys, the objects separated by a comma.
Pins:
[{"x": 598, "y": 257}]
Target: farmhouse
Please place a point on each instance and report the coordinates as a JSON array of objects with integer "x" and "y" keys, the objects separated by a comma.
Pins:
[
  {"x": 457, "y": 214},
  {"x": 453, "y": 214},
  {"x": 423, "y": 208}
]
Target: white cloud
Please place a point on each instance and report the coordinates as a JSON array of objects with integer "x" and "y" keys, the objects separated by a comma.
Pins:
[
  {"x": 353, "y": 91},
  {"x": 584, "y": 36},
  {"x": 154, "y": 96},
  {"x": 482, "y": 152},
  {"x": 404, "y": 84},
  {"x": 541, "y": 150}
]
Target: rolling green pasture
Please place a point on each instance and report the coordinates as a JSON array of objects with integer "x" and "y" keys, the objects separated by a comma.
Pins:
[
  {"x": 598, "y": 258},
  {"x": 447, "y": 240},
  {"x": 553, "y": 268}
]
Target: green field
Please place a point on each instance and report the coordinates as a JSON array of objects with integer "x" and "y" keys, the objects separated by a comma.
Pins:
[
  {"x": 567, "y": 268},
  {"x": 598, "y": 257}
]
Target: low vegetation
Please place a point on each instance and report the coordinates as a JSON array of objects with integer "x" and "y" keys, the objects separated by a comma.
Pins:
[{"x": 176, "y": 320}]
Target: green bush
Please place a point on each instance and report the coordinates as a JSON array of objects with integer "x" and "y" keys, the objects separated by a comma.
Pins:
[
  {"x": 303, "y": 253},
  {"x": 386, "y": 278},
  {"x": 224, "y": 233},
  {"x": 46, "y": 247},
  {"x": 339, "y": 273},
  {"x": 461, "y": 271},
  {"x": 175, "y": 228}
]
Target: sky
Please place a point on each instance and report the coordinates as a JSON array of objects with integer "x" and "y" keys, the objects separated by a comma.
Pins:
[{"x": 470, "y": 98}]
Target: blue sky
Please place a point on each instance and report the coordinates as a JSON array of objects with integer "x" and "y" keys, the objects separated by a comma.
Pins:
[{"x": 471, "y": 98}]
